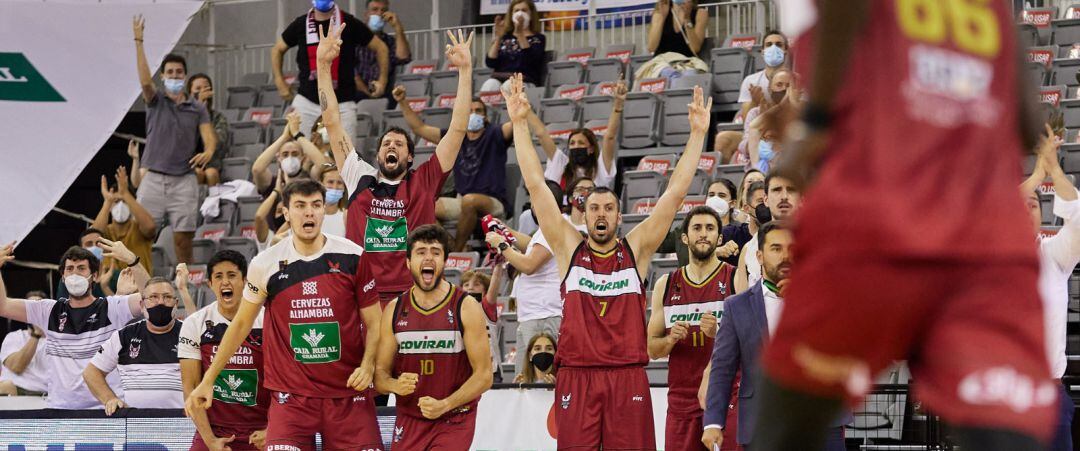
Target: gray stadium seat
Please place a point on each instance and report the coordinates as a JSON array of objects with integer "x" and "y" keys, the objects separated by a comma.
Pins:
[
  {"x": 233, "y": 115},
  {"x": 226, "y": 214},
  {"x": 655, "y": 85},
  {"x": 416, "y": 85},
  {"x": 242, "y": 133},
  {"x": 245, "y": 246},
  {"x": 240, "y": 97},
  {"x": 1041, "y": 18},
  {"x": 581, "y": 54},
  {"x": 675, "y": 124},
  {"x": 1045, "y": 54},
  {"x": 604, "y": 69},
  {"x": 691, "y": 80},
  {"x": 629, "y": 221},
  {"x": 452, "y": 275},
  {"x": 245, "y": 229},
  {"x": 394, "y": 118},
  {"x": 621, "y": 51},
  {"x": 444, "y": 82},
  {"x": 1071, "y": 110},
  {"x": 635, "y": 62},
  {"x": 757, "y": 59},
  {"x": 269, "y": 96},
  {"x": 535, "y": 95},
  {"x": 437, "y": 117},
  {"x": 1064, "y": 72},
  {"x": 733, "y": 172},
  {"x": 202, "y": 250},
  {"x": 163, "y": 265},
  {"x": 574, "y": 91},
  {"x": 1071, "y": 154},
  {"x": 659, "y": 267},
  {"x": 729, "y": 68},
  {"x": 596, "y": 107},
  {"x": 640, "y": 120},
  {"x": 463, "y": 261},
  {"x": 255, "y": 79},
  {"x": 646, "y": 181},
  {"x": 374, "y": 108},
  {"x": 598, "y": 127},
  {"x": 559, "y": 110},
  {"x": 422, "y": 154},
  {"x": 422, "y": 66},
  {"x": 1029, "y": 36},
  {"x": 247, "y": 206},
  {"x": 745, "y": 41},
  {"x": 276, "y": 127},
  {"x": 1065, "y": 31},
  {"x": 365, "y": 126},
  {"x": 235, "y": 168},
  {"x": 480, "y": 75},
  {"x": 197, "y": 274},
  {"x": 561, "y": 130},
  {"x": 249, "y": 151},
  {"x": 564, "y": 73},
  {"x": 1037, "y": 74}
]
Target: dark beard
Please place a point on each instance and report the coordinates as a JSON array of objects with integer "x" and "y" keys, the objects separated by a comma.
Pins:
[
  {"x": 392, "y": 175},
  {"x": 773, "y": 274},
  {"x": 703, "y": 256},
  {"x": 436, "y": 282}
]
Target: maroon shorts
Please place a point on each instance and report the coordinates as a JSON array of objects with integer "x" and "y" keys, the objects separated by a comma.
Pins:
[
  {"x": 597, "y": 407},
  {"x": 344, "y": 423},
  {"x": 682, "y": 431},
  {"x": 452, "y": 432},
  {"x": 239, "y": 443},
  {"x": 972, "y": 333}
]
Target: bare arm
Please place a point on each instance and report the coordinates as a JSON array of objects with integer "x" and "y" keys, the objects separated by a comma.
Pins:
[
  {"x": 277, "y": 59},
  {"x": 143, "y": 220},
  {"x": 99, "y": 387},
  {"x": 262, "y": 228},
  {"x": 457, "y": 53},
  {"x": 260, "y": 169},
  {"x": 190, "y": 377},
  {"x": 329, "y": 49},
  {"x": 372, "y": 317},
  {"x": 742, "y": 278},
  {"x": 1048, "y": 159},
  {"x": 312, "y": 154},
  {"x": 146, "y": 80},
  {"x": 101, "y": 221},
  {"x": 479, "y": 352},
  {"x": 385, "y": 383},
  {"x": 182, "y": 277},
  {"x": 382, "y": 57},
  {"x": 656, "y": 27},
  {"x": 415, "y": 122},
  {"x": 9, "y": 307},
  {"x": 646, "y": 237},
  {"x": 610, "y": 146},
  {"x": 695, "y": 36},
  {"x": 540, "y": 130},
  {"x": 401, "y": 40},
  {"x": 659, "y": 343},
  {"x": 19, "y": 360},
  {"x": 527, "y": 263}
]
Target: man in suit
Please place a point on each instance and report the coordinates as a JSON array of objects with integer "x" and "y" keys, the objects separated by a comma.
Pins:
[{"x": 749, "y": 319}]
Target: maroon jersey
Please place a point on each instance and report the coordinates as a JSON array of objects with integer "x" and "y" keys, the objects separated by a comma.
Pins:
[
  {"x": 381, "y": 214},
  {"x": 312, "y": 327},
  {"x": 685, "y": 302},
  {"x": 924, "y": 152},
  {"x": 240, "y": 399},
  {"x": 603, "y": 310},
  {"x": 431, "y": 345}
]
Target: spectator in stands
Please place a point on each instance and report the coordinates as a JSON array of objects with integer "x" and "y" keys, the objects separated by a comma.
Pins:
[
  {"x": 168, "y": 187},
  {"x": 481, "y": 287},
  {"x": 578, "y": 190},
  {"x": 1058, "y": 255},
  {"x": 781, "y": 201},
  {"x": 741, "y": 232},
  {"x": 271, "y": 224},
  {"x": 295, "y": 154},
  {"x": 720, "y": 196},
  {"x": 539, "y": 367},
  {"x": 202, "y": 90},
  {"x": 337, "y": 201},
  {"x": 774, "y": 51},
  {"x": 304, "y": 33},
  {"x": 517, "y": 46},
  {"x": 182, "y": 280},
  {"x": 378, "y": 17},
  {"x": 584, "y": 156},
  {"x": 88, "y": 240},
  {"x": 677, "y": 26},
  {"x": 144, "y": 354},
  {"x": 25, "y": 368},
  {"x": 480, "y": 170},
  {"x": 122, "y": 218},
  {"x": 75, "y": 326},
  {"x": 756, "y": 121},
  {"x": 764, "y": 132}
]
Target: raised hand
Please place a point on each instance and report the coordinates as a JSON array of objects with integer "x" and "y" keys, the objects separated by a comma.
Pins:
[
  {"x": 126, "y": 285},
  {"x": 662, "y": 8},
  {"x": 517, "y": 103},
  {"x": 117, "y": 250},
  {"x": 182, "y": 276},
  {"x": 122, "y": 189},
  {"x": 619, "y": 92},
  {"x": 459, "y": 51},
  {"x": 700, "y": 110},
  {"x": 133, "y": 149},
  {"x": 329, "y": 44},
  {"x": 292, "y": 123},
  {"x": 107, "y": 194},
  {"x": 7, "y": 253},
  {"x": 390, "y": 19},
  {"x": 500, "y": 27},
  {"x": 138, "y": 24},
  {"x": 398, "y": 93},
  {"x": 1047, "y": 151}
]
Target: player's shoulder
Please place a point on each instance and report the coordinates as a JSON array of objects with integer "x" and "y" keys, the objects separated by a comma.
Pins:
[
  {"x": 339, "y": 245},
  {"x": 201, "y": 315},
  {"x": 271, "y": 255}
]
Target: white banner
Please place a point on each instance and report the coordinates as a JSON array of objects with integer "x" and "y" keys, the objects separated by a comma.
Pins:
[
  {"x": 67, "y": 78},
  {"x": 500, "y": 6}
]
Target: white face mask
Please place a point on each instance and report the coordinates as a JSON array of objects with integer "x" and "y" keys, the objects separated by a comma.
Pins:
[
  {"x": 76, "y": 285},
  {"x": 325, "y": 135},
  {"x": 291, "y": 166},
  {"x": 521, "y": 18},
  {"x": 718, "y": 204},
  {"x": 120, "y": 212}
]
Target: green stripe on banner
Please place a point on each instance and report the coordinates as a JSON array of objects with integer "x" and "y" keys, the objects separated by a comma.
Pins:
[{"x": 20, "y": 81}]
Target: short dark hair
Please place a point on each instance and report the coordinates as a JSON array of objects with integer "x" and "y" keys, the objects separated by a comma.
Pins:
[
  {"x": 227, "y": 255},
  {"x": 764, "y": 230},
  {"x": 36, "y": 294},
  {"x": 477, "y": 99},
  {"x": 730, "y": 186},
  {"x": 769, "y": 178},
  {"x": 174, "y": 58},
  {"x": 753, "y": 187},
  {"x": 303, "y": 187},
  {"x": 77, "y": 253},
  {"x": 90, "y": 231},
  {"x": 401, "y": 131},
  {"x": 191, "y": 80},
  {"x": 777, "y": 33},
  {"x": 574, "y": 183},
  {"x": 428, "y": 233},
  {"x": 699, "y": 211},
  {"x": 599, "y": 189},
  {"x": 556, "y": 191}
]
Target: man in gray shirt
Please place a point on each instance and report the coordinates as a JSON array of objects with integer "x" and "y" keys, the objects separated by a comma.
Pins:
[{"x": 167, "y": 184}]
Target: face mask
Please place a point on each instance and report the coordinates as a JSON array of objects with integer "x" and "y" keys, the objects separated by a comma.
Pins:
[
  {"x": 120, "y": 212},
  {"x": 76, "y": 285},
  {"x": 765, "y": 150},
  {"x": 159, "y": 315},
  {"x": 478, "y": 296},
  {"x": 334, "y": 196},
  {"x": 718, "y": 204},
  {"x": 678, "y": 2},
  {"x": 97, "y": 251},
  {"x": 476, "y": 123},
  {"x": 325, "y": 135},
  {"x": 542, "y": 360},
  {"x": 778, "y": 96},
  {"x": 173, "y": 86},
  {"x": 774, "y": 55},
  {"x": 375, "y": 23},
  {"x": 323, "y": 5},
  {"x": 521, "y": 17},
  {"x": 579, "y": 155},
  {"x": 578, "y": 202},
  {"x": 291, "y": 166},
  {"x": 762, "y": 214}
]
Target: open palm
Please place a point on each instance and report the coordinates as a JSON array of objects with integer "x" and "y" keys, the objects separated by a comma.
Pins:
[
  {"x": 330, "y": 43},
  {"x": 517, "y": 103},
  {"x": 699, "y": 111},
  {"x": 459, "y": 51}
]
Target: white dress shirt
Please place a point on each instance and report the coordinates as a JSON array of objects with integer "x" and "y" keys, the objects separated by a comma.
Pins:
[{"x": 1058, "y": 256}]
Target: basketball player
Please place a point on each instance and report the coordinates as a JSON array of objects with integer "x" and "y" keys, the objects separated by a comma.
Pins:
[
  {"x": 602, "y": 390},
  {"x": 319, "y": 295},
  {"x": 686, "y": 305},
  {"x": 433, "y": 352},
  {"x": 913, "y": 242}
]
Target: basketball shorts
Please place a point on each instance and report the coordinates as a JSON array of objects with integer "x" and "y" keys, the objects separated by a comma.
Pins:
[
  {"x": 344, "y": 423},
  {"x": 452, "y": 432},
  {"x": 608, "y": 407}
]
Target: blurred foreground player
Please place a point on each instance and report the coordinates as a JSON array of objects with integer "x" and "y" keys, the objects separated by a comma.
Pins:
[
  {"x": 602, "y": 392},
  {"x": 433, "y": 352},
  {"x": 320, "y": 333},
  {"x": 913, "y": 242}
]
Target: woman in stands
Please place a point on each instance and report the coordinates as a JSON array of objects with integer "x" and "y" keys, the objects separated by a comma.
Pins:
[
  {"x": 538, "y": 367},
  {"x": 337, "y": 200},
  {"x": 584, "y": 156},
  {"x": 202, "y": 89},
  {"x": 677, "y": 26},
  {"x": 517, "y": 46}
]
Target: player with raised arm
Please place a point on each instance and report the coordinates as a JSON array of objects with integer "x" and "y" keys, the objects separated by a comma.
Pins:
[
  {"x": 385, "y": 204},
  {"x": 320, "y": 297},
  {"x": 602, "y": 392},
  {"x": 913, "y": 242},
  {"x": 433, "y": 352}
]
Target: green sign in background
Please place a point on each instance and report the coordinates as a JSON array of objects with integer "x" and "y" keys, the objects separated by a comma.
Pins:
[{"x": 20, "y": 81}]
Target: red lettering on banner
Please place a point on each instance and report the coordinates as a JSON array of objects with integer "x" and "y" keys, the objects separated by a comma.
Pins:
[
  {"x": 654, "y": 164},
  {"x": 1051, "y": 96},
  {"x": 582, "y": 58},
  {"x": 459, "y": 262},
  {"x": 706, "y": 163},
  {"x": 290, "y": 79},
  {"x": 425, "y": 143},
  {"x": 653, "y": 85},
  {"x": 560, "y": 134},
  {"x": 213, "y": 234},
  {"x": 492, "y": 98},
  {"x": 1047, "y": 232},
  {"x": 417, "y": 103},
  {"x": 248, "y": 232},
  {"x": 1040, "y": 19},
  {"x": 573, "y": 94},
  {"x": 644, "y": 207},
  {"x": 197, "y": 276},
  {"x": 1044, "y": 57},
  {"x": 744, "y": 42},
  {"x": 261, "y": 117},
  {"x": 447, "y": 100},
  {"x": 1047, "y": 188},
  {"x": 687, "y": 205},
  {"x": 622, "y": 55},
  {"x": 606, "y": 88},
  {"x": 422, "y": 69}
]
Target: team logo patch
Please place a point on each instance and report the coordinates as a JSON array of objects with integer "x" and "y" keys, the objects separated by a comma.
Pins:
[
  {"x": 334, "y": 267},
  {"x": 398, "y": 431},
  {"x": 133, "y": 350},
  {"x": 63, "y": 322},
  {"x": 310, "y": 288},
  {"x": 450, "y": 316},
  {"x": 565, "y": 401},
  {"x": 92, "y": 318},
  {"x": 723, "y": 287},
  {"x": 282, "y": 398}
]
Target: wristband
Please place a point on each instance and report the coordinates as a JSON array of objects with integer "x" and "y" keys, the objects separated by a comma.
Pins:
[
  {"x": 134, "y": 262},
  {"x": 36, "y": 336},
  {"x": 297, "y": 136},
  {"x": 503, "y": 246},
  {"x": 816, "y": 117}
]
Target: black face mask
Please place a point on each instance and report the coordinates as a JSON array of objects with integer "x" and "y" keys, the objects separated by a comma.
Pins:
[
  {"x": 579, "y": 156},
  {"x": 543, "y": 360},
  {"x": 478, "y": 296},
  {"x": 778, "y": 96},
  {"x": 159, "y": 315},
  {"x": 762, "y": 214}
]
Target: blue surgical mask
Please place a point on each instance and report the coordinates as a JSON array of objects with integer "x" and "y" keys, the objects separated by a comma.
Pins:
[
  {"x": 774, "y": 55},
  {"x": 173, "y": 86},
  {"x": 476, "y": 123},
  {"x": 334, "y": 196},
  {"x": 765, "y": 150},
  {"x": 678, "y": 2},
  {"x": 375, "y": 23},
  {"x": 323, "y": 5},
  {"x": 98, "y": 252}
]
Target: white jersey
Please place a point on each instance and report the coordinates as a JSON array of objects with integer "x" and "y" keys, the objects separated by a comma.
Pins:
[{"x": 147, "y": 363}]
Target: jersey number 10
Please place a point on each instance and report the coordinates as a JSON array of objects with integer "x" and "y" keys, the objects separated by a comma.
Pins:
[
  {"x": 972, "y": 24},
  {"x": 427, "y": 367}
]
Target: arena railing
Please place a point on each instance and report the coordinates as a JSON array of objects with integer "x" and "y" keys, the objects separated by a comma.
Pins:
[{"x": 227, "y": 64}]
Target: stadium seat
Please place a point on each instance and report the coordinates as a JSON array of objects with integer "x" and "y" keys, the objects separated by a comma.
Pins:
[
  {"x": 675, "y": 123},
  {"x": 437, "y": 117},
  {"x": 275, "y": 128},
  {"x": 261, "y": 115},
  {"x": 245, "y": 246},
  {"x": 197, "y": 274},
  {"x": 365, "y": 126},
  {"x": 635, "y": 62},
  {"x": 444, "y": 100},
  {"x": 623, "y": 52},
  {"x": 604, "y": 69},
  {"x": 757, "y": 60},
  {"x": 572, "y": 92},
  {"x": 424, "y": 67},
  {"x": 1064, "y": 72},
  {"x": 564, "y": 73},
  {"x": 647, "y": 180},
  {"x": 559, "y": 110},
  {"x": 452, "y": 275},
  {"x": 1071, "y": 111},
  {"x": 1065, "y": 32},
  {"x": 444, "y": 82},
  {"x": 560, "y": 131},
  {"x": 246, "y": 208},
  {"x": 743, "y": 41},
  {"x": 394, "y": 118},
  {"x": 728, "y": 67},
  {"x": 374, "y": 108},
  {"x": 659, "y": 267},
  {"x": 226, "y": 213},
  {"x": 240, "y": 97},
  {"x": 1037, "y": 73},
  {"x": 598, "y": 127},
  {"x": 690, "y": 81},
  {"x": 708, "y": 162},
  {"x": 1041, "y": 19},
  {"x": 255, "y": 79},
  {"x": 535, "y": 95},
  {"x": 596, "y": 107},
  {"x": 480, "y": 75},
  {"x": 1071, "y": 156},
  {"x": 639, "y": 123},
  {"x": 242, "y": 133},
  {"x": 269, "y": 96},
  {"x": 1045, "y": 54},
  {"x": 235, "y": 168},
  {"x": 655, "y": 85},
  {"x": 204, "y": 295},
  {"x": 732, "y": 172},
  {"x": 163, "y": 265},
  {"x": 422, "y": 154},
  {"x": 1029, "y": 35},
  {"x": 629, "y": 221},
  {"x": 202, "y": 250},
  {"x": 249, "y": 151},
  {"x": 416, "y": 85},
  {"x": 244, "y": 229}
]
